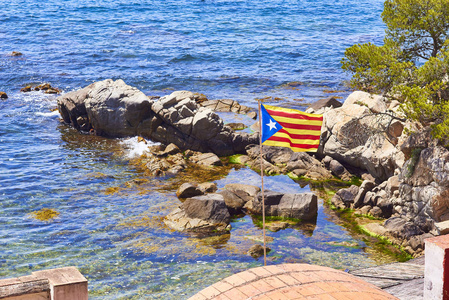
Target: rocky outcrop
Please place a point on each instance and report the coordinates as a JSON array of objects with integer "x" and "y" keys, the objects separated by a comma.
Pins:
[
  {"x": 298, "y": 206},
  {"x": 363, "y": 134},
  {"x": 3, "y": 95},
  {"x": 202, "y": 214},
  {"x": 112, "y": 108}
]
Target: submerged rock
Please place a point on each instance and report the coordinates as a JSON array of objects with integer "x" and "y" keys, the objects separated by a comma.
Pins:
[{"x": 257, "y": 251}]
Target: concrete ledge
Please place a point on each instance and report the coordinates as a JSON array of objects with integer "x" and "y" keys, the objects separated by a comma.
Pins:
[{"x": 436, "y": 273}]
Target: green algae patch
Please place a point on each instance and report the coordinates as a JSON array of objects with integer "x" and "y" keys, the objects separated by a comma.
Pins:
[
  {"x": 380, "y": 244},
  {"x": 274, "y": 221},
  {"x": 235, "y": 159},
  {"x": 45, "y": 214}
]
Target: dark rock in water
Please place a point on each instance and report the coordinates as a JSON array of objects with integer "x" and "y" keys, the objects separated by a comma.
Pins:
[
  {"x": 188, "y": 190},
  {"x": 256, "y": 251},
  {"x": 207, "y": 214},
  {"x": 26, "y": 89},
  {"x": 3, "y": 95},
  {"x": 298, "y": 206},
  {"x": 208, "y": 207},
  {"x": 16, "y": 53}
]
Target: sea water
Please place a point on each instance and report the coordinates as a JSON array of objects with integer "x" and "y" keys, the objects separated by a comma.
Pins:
[{"x": 109, "y": 214}]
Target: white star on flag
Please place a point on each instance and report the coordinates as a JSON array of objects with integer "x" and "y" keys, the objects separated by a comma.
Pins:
[{"x": 272, "y": 125}]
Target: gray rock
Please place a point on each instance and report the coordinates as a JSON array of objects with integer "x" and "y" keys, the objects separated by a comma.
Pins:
[
  {"x": 298, "y": 206},
  {"x": 375, "y": 103},
  {"x": 206, "y": 159},
  {"x": 233, "y": 201},
  {"x": 250, "y": 190},
  {"x": 208, "y": 187},
  {"x": 365, "y": 187},
  {"x": 344, "y": 198},
  {"x": 206, "y": 213},
  {"x": 116, "y": 109},
  {"x": 188, "y": 190}
]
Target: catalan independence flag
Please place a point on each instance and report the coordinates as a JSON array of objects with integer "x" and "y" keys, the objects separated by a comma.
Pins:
[{"x": 285, "y": 127}]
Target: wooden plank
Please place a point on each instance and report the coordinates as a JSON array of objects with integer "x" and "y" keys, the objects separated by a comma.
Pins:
[
  {"x": 409, "y": 290},
  {"x": 28, "y": 287},
  {"x": 396, "y": 271}
]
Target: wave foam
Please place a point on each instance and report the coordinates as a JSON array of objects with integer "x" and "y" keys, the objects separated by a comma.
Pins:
[{"x": 134, "y": 148}]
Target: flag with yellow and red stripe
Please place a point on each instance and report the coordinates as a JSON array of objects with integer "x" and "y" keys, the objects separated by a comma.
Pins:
[{"x": 285, "y": 127}]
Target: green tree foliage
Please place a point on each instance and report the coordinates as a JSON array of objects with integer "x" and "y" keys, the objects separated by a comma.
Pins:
[
  {"x": 413, "y": 63},
  {"x": 420, "y": 27}
]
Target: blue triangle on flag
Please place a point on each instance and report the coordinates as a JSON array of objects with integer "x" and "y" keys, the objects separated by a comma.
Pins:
[{"x": 269, "y": 125}]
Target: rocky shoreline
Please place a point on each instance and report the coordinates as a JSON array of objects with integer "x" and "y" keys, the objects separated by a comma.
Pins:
[{"x": 404, "y": 171}]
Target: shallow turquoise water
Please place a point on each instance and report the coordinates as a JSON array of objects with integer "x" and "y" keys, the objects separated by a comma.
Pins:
[{"x": 286, "y": 52}]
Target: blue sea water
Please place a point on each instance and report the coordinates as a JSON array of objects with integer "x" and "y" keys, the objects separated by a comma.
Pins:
[{"x": 109, "y": 224}]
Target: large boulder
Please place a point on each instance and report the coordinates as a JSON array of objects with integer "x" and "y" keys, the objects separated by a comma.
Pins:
[
  {"x": 206, "y": 214},
  {"x": 299, "y": 206},
  {"x": 360, "y": 135},
  {"x": 111, "y": 108}
]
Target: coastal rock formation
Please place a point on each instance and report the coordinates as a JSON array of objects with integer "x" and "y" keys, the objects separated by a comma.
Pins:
[
  {"x": 299, "y": 206},
  {"x": 362, "y": 134},
  {"x": 3, "y": 95},
  {"x": 112, "y": 108},
  {"x": 204, "y": 214}
]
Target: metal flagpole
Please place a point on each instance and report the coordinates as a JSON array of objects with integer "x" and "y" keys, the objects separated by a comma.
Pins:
[{"x": 263, "y": 193}]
